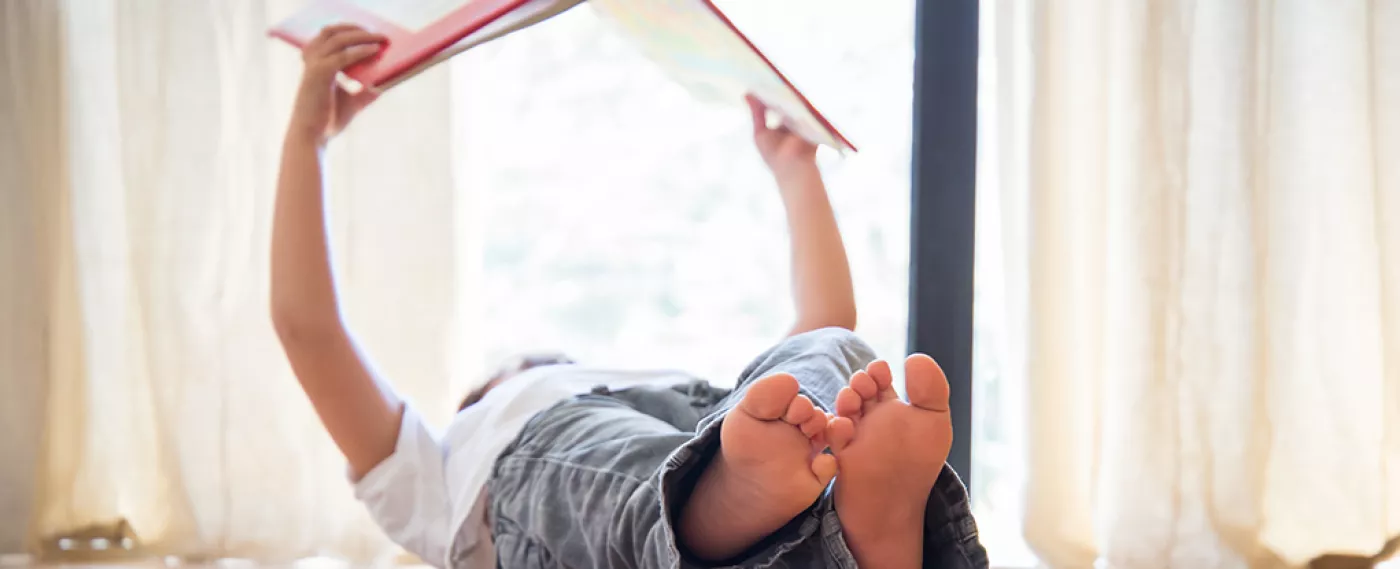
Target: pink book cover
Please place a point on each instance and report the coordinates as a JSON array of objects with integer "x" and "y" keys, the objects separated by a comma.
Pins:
[{"x": 419, "y": 32}]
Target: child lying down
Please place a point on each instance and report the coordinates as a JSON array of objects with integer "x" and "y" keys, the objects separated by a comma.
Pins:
[{"x": 812, "y": 461}]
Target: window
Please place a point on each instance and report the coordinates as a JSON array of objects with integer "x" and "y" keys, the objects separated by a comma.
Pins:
[
  {"x": 960, "y": 290},
  {"x": 633, "y": 226},
  {"x": 998, "y": 440}
]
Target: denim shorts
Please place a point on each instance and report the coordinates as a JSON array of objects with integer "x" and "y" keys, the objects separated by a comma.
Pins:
[{"x": 595, "y": 481}]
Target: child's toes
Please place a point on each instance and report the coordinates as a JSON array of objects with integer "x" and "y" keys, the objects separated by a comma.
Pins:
[
  {"x": 814, "y": 425},
  {"x": 839, "y": 433},
  {"x": 864, "y": 384},
  {"x": 799, "y": 411},
  {"x": 824, "y": 467},
  {"x": 879, "y": 371},
  {"x": 848, "y": 403}
]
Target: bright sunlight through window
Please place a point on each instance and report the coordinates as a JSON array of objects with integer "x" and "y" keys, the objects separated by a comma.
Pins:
[{"x": 632, "y": 226}]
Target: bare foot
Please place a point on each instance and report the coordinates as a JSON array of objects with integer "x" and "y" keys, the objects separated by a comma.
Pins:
[
  {"x": 768, "y": 470},
  {"x": 890, "y": 453}
]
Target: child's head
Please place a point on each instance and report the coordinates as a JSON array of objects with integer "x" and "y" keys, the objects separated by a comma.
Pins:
[{"x": 511, "y": 368}]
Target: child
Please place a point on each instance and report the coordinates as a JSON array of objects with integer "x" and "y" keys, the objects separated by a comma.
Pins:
[{"x": 650, "y": 470}]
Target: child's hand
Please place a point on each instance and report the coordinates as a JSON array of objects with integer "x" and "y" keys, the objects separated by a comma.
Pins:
[
  {"x": 323, "y": 108},
  {"x": 785, "y": 152}
]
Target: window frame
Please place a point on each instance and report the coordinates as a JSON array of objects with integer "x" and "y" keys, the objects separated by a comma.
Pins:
[{"x": 943, "y": 195}]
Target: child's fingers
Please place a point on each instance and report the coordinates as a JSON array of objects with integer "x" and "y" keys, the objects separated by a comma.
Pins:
[
  {"x": 351, "y": 55},
  {"x": 319, "y": 45},
  {"x": 759, "y": 112},
  {"x": 344, "y": 40},
  {"x": 361, "y": 100},
  {"x": 333, "y": 29}
]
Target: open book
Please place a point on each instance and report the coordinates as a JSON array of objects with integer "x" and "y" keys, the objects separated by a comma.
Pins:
[
  {"x": 422, "y": 33},
  {"x": 690, "y": 39}
]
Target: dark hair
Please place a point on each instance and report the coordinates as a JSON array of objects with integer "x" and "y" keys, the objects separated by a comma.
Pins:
[{"x": 510, "y": 368}]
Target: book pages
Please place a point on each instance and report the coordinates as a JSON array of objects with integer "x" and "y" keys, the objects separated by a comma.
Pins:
[
  {"x": 411, "y": 15},
  {"x": 699, "y": 49},
  {"x": 529, "y": 14}
]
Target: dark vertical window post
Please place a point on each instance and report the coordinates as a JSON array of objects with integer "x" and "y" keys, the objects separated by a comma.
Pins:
[{"x": 944, "y": 201}]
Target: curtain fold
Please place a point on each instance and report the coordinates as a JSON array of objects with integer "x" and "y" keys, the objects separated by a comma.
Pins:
[
  {"x": 1203, "y": 242},
  {"x": 151, "y": 182},
  {"x": 30, "y": 158}
]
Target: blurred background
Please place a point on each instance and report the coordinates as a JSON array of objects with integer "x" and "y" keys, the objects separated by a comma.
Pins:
[{"x": 1185, "y": 337}]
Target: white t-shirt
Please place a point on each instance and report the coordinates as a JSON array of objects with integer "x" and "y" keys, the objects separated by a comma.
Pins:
[{"x": 429, "y": 496}]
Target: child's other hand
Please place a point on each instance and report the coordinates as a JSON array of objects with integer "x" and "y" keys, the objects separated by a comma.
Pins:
[
  {"x": 323, "y": 107},
  {"x": 784, "y": 151}
]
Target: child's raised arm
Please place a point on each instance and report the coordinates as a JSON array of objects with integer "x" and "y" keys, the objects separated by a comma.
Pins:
[
  {"x": 361, "y": 413},
  {"x": 821, "y": 277}
]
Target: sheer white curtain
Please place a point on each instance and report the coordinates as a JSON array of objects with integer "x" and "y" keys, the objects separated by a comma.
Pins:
[
  {"x": 144, "y": 137},
  {"x": 1200, "y": 215}
]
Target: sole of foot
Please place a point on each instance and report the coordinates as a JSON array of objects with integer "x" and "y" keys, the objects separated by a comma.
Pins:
[
  {"x": 768, "y": 470},
  {"x": 890, "y": 454}
]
